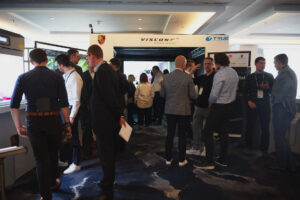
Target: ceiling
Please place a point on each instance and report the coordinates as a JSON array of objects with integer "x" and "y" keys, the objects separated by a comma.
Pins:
[{"x": 66, "y": 22}]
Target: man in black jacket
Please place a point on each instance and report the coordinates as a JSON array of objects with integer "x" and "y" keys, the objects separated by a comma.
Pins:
[
  {"x": 115, "y": 63},
  {"x": 106, "y": 116},
  {"x": 258, "y": 91}
]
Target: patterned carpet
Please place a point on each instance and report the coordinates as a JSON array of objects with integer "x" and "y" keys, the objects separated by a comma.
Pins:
[{"x": 142, "y": 175}]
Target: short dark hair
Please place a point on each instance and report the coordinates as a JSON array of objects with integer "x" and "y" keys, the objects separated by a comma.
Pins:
[
  {"x": 222, "y": 59},
  {"x": 209, "y": 58},
  {"x": 189, "y": 62},
  {"x": 96, "y": 51},
  {"x": 71, "y": 52},
  {"x": 116, "y": 62},
  {"x": 282, "y": 58},
  {"x": 166, "y": 71},
  {"x": 156, "y": 67},
  {"x": 63, "y": 59},
  {"x": 38, "y": 55},
  {"x": 259, "y": 59},
  {"x": 143, "y": 78}
]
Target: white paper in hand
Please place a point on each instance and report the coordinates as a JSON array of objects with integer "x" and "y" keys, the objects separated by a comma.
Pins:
[{"x": 125, "y": 132}]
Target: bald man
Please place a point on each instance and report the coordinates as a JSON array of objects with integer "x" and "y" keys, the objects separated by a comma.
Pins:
[{"x": 178, "y": 89}]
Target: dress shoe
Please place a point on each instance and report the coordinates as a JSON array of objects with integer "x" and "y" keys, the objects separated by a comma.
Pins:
[
  {"x": 169, "y": 162},
  {"x": 157, "y": 122},
  {"x": 183, "y": 163},
  {"x": 62, "y": 164},
  {"x": 56, "y": 186},
  {"x": 275, "y": 167},
  {"x": 105, "y": 197}
]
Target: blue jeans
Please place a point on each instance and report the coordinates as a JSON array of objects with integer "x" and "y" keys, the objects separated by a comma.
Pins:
[{"x": 281, "y": 123}]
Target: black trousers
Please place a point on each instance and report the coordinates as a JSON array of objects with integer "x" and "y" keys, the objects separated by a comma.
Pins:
[
  {"x": 173, "y": 121},
  {"x": 158, "y": 104},
  {"x": 87, "y": 135},
  {"x": 281, "y": 122},
  {"x": 217, "y": 119},
  {"x": 45, "y": 138},
  {"x": 262, "y": 112},
  {"x": 71, "y": 151},
  {"x": 107, "y": 148},
  {"x": 131, "y": 108},
  {"x": 144, "y": 113},
  {"x": 188, "y": 128}
]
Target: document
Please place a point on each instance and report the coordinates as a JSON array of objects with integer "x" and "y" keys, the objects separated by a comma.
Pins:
[{"x": 125, "y": 132}]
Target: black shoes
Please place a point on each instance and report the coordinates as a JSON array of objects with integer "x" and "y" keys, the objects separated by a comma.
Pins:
[
  {"x": 211, "y": 165},
  {"x": 104, "y": 196},
  {"x": 158, "y": 122}
]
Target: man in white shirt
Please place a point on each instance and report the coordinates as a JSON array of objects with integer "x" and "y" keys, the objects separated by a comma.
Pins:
[
  {"x": 74, "y": 84},
  {"x": 221, "y": 98},
  {"x": 157, "y": 101}
]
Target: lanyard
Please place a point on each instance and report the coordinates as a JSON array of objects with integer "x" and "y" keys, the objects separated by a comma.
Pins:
[
  {"x": 263, "y": 74},
  {"x": 69, "y": 76}
]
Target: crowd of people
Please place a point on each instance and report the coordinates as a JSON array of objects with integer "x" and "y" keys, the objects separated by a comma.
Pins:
[{"x": 196, "y": 106}]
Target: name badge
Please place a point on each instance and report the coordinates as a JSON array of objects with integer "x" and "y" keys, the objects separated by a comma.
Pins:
[
  {"x": 200, "y": 91},
  {"x": 260, "y": 94}
]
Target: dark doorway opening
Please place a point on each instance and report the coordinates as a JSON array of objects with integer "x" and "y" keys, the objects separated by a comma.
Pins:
[{"x": 161, "y": 54}]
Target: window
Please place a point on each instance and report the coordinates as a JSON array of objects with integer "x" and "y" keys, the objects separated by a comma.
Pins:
[
  {"x": 292, "y": 51},
  {"x": 11, "y": 68}
]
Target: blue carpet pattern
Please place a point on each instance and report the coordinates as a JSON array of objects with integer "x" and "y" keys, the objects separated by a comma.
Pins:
[{"x": 142, "y": 175}]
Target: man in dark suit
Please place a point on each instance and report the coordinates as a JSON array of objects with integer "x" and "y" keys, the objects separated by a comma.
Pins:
[
  {"x": 87, "y": 140},
  {"x": 115, "y": 63},
  {"x": 106, "y": 116}
]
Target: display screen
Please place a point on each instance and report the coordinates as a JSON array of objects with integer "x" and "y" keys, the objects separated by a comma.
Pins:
[{"x": 4, "y": 40}]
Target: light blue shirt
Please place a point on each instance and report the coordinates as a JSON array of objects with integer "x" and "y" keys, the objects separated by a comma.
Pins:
[{"x": 225, "y": 86}]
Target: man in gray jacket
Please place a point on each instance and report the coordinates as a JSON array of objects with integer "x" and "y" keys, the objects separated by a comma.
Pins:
[
  {"x": 284, "y": 109},
  {"x": 178, "y": 89}
]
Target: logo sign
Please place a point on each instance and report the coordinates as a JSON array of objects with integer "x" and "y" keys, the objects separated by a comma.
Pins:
[
  {"x": 216, "y": 38},
  {"x": 159, "y": 40},
  {"x": 208, "y": 38},
  {"x": 150, "y": 39}
]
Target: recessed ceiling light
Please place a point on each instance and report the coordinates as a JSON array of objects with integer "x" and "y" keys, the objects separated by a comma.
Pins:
[
  {"x": 51, "y": 18},
  {"x": 140, "y": 19},
  {"x": 140, "y": 28}
]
